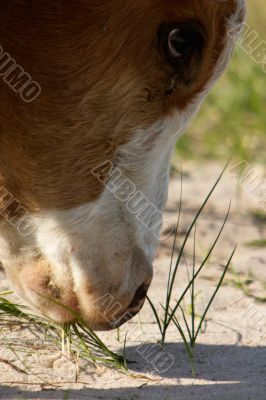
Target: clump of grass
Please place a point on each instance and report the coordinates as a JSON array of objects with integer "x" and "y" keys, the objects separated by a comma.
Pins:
[
  {"x": 79, "y": 337},
  {"x": 190, "y": 332},
  {"x": 243, "y": 283},
  {"x": 260, "y": 243},
  {"x": 89, "y": 345},
  {"x": 259, "y": 216}
]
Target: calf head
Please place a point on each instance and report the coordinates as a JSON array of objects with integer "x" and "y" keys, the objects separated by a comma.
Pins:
[{"x": 84, "y": 166}]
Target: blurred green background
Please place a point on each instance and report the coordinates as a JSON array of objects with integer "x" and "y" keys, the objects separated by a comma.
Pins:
[{"x": 232, "y": 121}]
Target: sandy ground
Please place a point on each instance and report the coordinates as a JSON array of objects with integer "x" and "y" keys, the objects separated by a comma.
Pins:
[{"x": 230, "y": 358}]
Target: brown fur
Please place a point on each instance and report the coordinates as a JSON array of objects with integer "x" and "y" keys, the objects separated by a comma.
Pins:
[{"x": 102, "y": 77}]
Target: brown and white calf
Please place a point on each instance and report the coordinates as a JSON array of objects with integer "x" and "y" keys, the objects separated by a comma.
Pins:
[{"x": 85, "y": 84}]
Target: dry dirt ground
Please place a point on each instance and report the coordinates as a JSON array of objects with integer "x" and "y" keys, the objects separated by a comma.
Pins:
[{"x": 230, "y": 358}]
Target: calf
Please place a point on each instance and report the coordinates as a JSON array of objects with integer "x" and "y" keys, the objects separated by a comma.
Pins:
[{"x": 94, "y": 95}]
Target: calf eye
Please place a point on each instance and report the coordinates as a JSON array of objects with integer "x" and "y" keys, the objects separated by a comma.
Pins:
[{"x": 179, "y": 41}]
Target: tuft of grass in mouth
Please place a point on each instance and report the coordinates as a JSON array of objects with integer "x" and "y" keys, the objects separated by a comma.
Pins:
[
  {"x": 189, "y": 330},
  {"x": 75, "y": 338}
]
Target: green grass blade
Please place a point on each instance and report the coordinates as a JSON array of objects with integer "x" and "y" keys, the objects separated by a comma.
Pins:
[
  {"x": 200, "y": 268},
  {"x": 193, "y": 308},
  {"x": 215, "y": 293},
  {"x": 155, "y": 314},
  {"x": 188, "y": 235},
  {"x": 176, "y": 233},
  {"x": 186, "y": 323},
  {"x": 183, "y": 336},
  {"x": 168, "y": 293}
]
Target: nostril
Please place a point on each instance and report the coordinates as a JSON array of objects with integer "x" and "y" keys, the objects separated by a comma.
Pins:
[
  {"x": 139, "y": 295},
  {"x": 135, "y": 305}
]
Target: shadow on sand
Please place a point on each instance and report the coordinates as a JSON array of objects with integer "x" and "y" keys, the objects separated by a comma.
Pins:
[{"x": 223, "y": 373}]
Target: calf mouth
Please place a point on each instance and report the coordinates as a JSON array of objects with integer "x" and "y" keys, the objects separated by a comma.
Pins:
[{"x": 37, "y": 286}]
